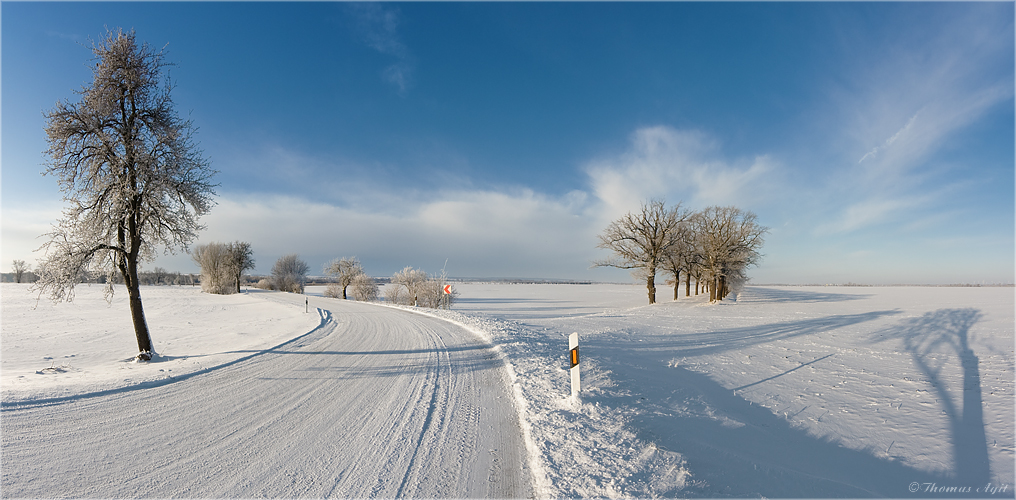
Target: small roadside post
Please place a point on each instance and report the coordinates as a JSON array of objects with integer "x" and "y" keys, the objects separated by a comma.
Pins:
[
  {"x": 447, "y": 292},
  {"x": 306, "y": 304},
  {"x": 573, "y": 359}
]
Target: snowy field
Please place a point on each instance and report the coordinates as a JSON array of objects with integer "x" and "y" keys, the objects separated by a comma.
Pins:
[
  {"x": 51, "y": 350},
  {"x": 902, "y": 392},
  {"x": 784, "y": 392}
]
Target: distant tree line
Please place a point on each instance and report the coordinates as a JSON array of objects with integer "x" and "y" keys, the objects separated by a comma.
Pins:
[
  {"x": 412, "y": 287},
  {"x": 714, "y": 247},
  {"x": 22, "y": 273}
]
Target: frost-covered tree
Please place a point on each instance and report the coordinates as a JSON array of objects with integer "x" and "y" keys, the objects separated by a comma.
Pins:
[
  {"x": 413, "y": 280},
  {"x": 413, "y": 287},
  {"x": 20, "y": 268},
  {"x": 129, "y": 167},
  {"x": 289, "y": 273},
  {"x": 640, "y": 241},
  {"x": 241, "y": 260},
  {"x": 216, "y": 271},
  {"x": 344, "y": 270}
]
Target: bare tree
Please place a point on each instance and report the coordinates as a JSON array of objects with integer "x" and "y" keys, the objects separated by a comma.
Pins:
[
  {"x": 641, "y": 241},
  {"x": 20, "y": 268},
  {"x": 729, "y": 242},
  {"x": 290, "y": 273},
  {"x": 344, "y": 270},
  {"x": 131, "y": 172},
  {"x": 682, "y": 255},
  {"x": 241, "y": 259}
]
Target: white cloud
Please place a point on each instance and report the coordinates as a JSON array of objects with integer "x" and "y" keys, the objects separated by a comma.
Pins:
[
  {"x": 481, "y": 233},
  {"x": 678, "y": 164}
]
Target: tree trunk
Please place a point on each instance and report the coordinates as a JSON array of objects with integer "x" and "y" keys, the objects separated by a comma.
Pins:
[
  {"x": 137, "y": 311},
  {"x": 687, "y": 286},
  {"x": 712, "y": 289},
  {"x": 343, "y": 293},
  {"x": 677, "y": 285},
  {"x": 651, "y": 286}
]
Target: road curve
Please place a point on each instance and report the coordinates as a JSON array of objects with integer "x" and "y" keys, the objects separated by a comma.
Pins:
[{"x": 375, "y": 402}]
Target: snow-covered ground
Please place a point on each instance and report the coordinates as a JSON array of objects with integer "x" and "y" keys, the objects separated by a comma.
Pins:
[
  {"x": 783, "y": 392},
  {"x": 50, "y": 350}
]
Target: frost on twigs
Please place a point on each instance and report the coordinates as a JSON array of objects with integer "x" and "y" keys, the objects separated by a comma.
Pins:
[{"x": 130, "y": 171}]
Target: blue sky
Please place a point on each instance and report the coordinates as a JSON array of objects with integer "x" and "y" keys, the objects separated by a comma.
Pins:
[{"x": 876, "y": 140}]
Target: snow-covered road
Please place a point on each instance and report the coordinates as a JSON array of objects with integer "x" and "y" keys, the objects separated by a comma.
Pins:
[{"x": 373, "y": 402}]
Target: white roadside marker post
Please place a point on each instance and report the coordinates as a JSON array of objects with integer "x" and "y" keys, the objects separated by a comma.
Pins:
[{"x": 573, "y": 358}]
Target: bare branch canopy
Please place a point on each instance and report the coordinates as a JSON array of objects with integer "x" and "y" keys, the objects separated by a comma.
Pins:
[{"x": 130, "y": 170}]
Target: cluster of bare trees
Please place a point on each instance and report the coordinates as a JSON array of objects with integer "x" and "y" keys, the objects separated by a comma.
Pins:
[
  {"x": 414, "y": 287},
  {"x": 714, "y": 246},
  {"x": 223, "y": 265},
  {"x": 348, "y": 273}
]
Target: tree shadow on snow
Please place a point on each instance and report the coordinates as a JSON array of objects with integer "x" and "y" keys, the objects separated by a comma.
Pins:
[
  {"x": 758, "y": 294},
  {"x": 933, "y": 341},
  {"x": 739, "y": 338},
  {"x": 736, "y": 448}
]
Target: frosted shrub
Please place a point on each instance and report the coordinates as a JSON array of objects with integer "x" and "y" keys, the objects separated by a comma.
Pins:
[
  {"x": 216, "y": 275},
  {"x": 396, "y": 294},
  {"x": 264, "y": 284},
  {"x": 364, "y": 288},
  {"x": 334, "y": 291}
]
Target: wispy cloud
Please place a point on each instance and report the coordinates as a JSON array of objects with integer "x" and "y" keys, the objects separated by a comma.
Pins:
[
  {"x": 900, "y": 107},
  {"x": 378, "y": 28},
  {"x": 889, "y": 141},
  {"x": 65, "y": 36}
]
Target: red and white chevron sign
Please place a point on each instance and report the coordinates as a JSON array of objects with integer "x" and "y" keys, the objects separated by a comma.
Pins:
[{"x": 448, "y": 289}]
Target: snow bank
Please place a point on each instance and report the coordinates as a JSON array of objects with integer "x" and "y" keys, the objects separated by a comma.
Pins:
[{"x": 52, "y": 350}]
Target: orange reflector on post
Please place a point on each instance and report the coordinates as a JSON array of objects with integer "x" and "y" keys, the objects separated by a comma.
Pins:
[{"x": 573, "y": 358}]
